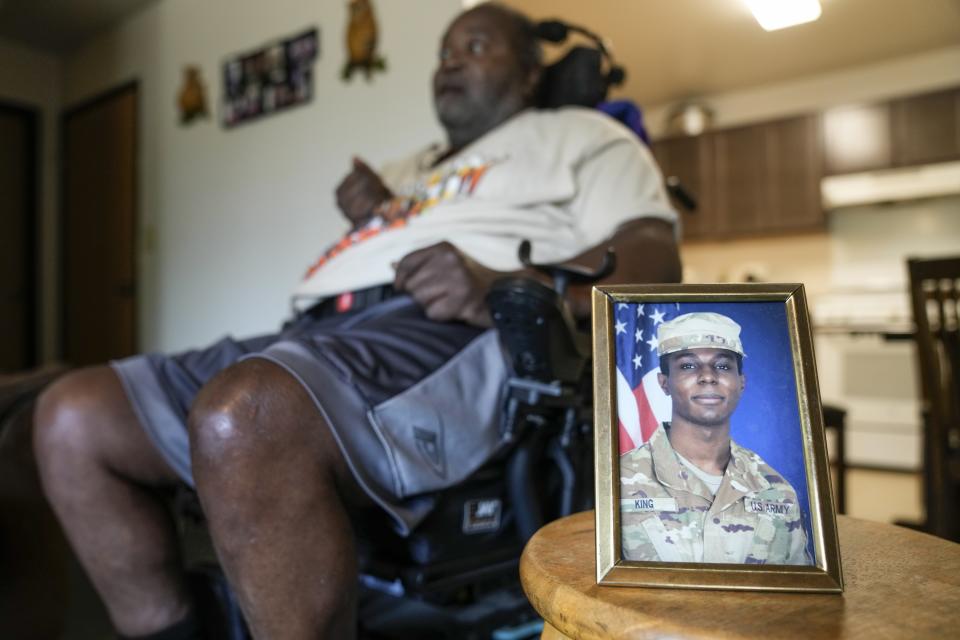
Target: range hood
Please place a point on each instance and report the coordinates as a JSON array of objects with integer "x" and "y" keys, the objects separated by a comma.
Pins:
[{"x": 890, "y": 185}]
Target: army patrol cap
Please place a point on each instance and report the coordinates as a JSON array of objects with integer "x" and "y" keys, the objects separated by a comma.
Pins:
[{"x": 700, "y": 330}]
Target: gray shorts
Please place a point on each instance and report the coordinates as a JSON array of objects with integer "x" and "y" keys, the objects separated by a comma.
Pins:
[{"x": 415, "y": 405}]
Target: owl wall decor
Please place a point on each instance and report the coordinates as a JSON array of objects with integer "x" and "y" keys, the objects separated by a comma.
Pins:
[
  {"x": 361, "y": 40},
  {"x": 192, "y": 100}
]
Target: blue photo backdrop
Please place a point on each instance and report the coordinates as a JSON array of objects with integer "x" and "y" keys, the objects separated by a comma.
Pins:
[{"x": 767, "y": 419}]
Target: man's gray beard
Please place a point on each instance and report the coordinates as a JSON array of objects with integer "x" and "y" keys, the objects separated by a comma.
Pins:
[{"x": 456, "y": 117}]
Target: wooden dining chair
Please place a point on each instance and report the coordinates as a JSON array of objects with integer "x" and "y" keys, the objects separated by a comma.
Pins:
[{"x": 935, "y": 299}]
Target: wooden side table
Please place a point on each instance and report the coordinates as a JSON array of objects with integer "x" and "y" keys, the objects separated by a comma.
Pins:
[{"x": 899, "y": 583}]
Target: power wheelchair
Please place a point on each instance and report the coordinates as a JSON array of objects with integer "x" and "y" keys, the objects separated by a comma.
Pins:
[{"x": 456, "y": 576}]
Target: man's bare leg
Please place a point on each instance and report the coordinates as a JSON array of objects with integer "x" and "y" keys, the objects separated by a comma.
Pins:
[
  {"x": 98, "y": 468},
  {"x": 275, "y": 489}
]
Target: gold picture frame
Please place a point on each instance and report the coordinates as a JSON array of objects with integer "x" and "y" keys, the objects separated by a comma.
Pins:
[{"x": 757, "y": 305}]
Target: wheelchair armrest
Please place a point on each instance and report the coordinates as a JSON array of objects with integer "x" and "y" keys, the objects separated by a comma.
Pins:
[{"x": 538, "y": 331}]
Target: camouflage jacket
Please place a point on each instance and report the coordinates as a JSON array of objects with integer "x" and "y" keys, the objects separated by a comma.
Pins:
[{"x": 668, "y": 514}]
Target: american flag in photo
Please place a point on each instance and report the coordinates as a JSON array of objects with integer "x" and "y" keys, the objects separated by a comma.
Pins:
[{"x": 641, "y": 403}]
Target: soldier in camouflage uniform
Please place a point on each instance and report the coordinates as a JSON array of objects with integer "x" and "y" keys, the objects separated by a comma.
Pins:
[{"x": 691, "y": 494}]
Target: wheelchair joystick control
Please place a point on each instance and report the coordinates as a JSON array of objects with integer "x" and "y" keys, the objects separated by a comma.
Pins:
[{"x": 535, "y": 324}]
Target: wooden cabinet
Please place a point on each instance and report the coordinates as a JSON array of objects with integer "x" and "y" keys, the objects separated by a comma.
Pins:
[
  {"x": 857, "y": 138},
  {"x": 739, "y": 157},
  {"x": 765, "y": 178},
  {"x": 909, "y": 131},
  {"x": 794, "y": 169},
  {"x": 926, "y": 128},
  {"x": 768, "y": 177},
  {"x": 688, "y": 160},
  {"x": 762, "y": 178}
]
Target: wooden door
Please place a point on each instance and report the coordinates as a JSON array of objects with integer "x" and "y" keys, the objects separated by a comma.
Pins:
[
  {"x": 99, "y": 214},
  {"x": 17, "y": 238}
]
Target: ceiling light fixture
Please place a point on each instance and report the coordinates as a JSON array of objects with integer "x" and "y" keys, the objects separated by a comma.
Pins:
[{"x": 780, "y": 14}]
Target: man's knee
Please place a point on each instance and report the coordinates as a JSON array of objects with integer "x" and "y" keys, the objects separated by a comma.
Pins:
[
  {"x": 254, "y": 425},
  {"x": 247, "y": 413},
  {"x": 84, "y": 422},
  {"x": 70, "y": 414}
]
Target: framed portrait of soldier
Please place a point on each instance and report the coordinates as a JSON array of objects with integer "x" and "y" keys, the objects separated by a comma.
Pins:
[{"x": 711, "y": 460}]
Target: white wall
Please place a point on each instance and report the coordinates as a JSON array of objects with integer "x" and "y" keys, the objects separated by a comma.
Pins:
[
  {"x": 32, "y": 79},
  {"x": 230, "y": 219}
]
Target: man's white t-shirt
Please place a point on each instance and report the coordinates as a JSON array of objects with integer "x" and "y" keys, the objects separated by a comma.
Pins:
[{"x": 564, "y": 179}]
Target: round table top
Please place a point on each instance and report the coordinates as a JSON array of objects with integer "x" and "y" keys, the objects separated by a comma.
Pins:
[{"x": 898, "y": 583}]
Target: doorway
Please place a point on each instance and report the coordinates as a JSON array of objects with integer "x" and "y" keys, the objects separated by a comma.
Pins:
[
  {"x": 99, "y": 228},
  {"x": 18, "y": 234}
]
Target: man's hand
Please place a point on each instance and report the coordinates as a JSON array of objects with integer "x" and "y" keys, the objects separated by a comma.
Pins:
[
  {"x": 448, "y": 284},
  {"x": 360, "y": 193},
  {"x": 451, "y": 286},
  {"x": 646, "y": 253}
]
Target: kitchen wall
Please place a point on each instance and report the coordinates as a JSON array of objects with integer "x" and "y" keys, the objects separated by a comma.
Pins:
[
  {"x": 32, "y": 79},
  {"x": 229, "y": 219}
]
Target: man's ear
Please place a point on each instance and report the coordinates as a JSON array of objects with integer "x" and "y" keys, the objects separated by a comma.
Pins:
[
  {"x": 743, "y": 382},
  {"x": 662, "y": 381}
]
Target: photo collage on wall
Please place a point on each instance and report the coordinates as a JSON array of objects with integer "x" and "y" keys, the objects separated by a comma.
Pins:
[{"x": 272, "y": 78}]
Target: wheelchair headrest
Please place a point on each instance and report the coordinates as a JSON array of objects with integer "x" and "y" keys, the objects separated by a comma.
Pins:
[{"x": 579, "y": 77}]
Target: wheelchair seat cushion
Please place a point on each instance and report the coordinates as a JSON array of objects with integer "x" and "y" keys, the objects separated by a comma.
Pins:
[{"x": 415, "y": 405}]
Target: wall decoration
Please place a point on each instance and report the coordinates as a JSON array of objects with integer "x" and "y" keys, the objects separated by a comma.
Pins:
[
  {"x": 192, "y": 99},
  {"x": 362, "y": 41},
  {"x": 270, "y": 79}
]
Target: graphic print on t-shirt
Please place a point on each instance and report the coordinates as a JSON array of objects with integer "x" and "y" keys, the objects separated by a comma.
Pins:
[{"x": 451, "y": 181}]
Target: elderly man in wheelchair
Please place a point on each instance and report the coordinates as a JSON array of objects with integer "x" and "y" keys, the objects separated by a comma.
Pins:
[{"x": 390, "y": 388}]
